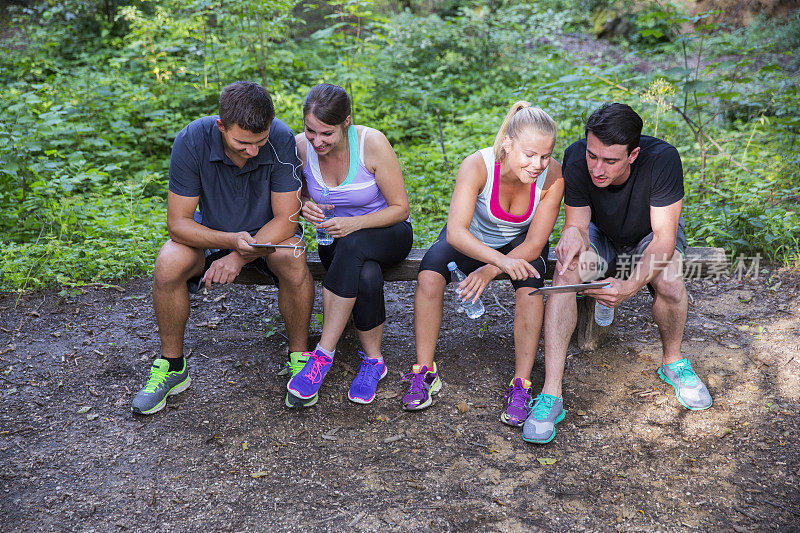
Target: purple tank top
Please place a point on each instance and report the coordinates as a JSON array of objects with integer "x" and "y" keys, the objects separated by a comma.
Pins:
[{"x": 356, "y": 195}]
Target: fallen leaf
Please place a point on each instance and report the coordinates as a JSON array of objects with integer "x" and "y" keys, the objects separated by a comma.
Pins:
[
  {"x": 257, "y": 475},
  {"x": 245, "y": 446},
  {"x": 56, "y": 334},
  {"x": 462, "y": 407},
  {"x": 387, "y": 440},
  {"x": 92, "y": 416},
  {"x": 724, "y": 433},
  {"x": 85, "y": 409},
  {"x": 582, "y": 413},
  {"x": 546, "y": 460}
]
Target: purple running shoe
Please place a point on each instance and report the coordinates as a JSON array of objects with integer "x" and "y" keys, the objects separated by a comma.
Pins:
[
  {"x": 365, "y": 383},
  {"x": 307, "y": 382},
  {"x": 424, "y": 384},
  {"x": 517, "y": 400}
]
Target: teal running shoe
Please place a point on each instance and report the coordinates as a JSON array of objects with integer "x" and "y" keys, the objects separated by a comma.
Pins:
[
  {"x": 162, "y": 383},
  {"x": 540, "y": 426},
  {"x": 295, "y": 364},
  {"x": 691, "y": 392}
]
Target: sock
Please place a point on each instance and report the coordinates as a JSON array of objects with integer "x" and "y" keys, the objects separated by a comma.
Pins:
[
  {"x": 326, "y": 352},
  {"x": 379, "y": 358},
  {"x": 175, "y": 363}
]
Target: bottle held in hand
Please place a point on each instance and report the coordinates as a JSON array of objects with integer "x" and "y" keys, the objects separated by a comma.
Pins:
[
  {"x": 603, "y": 315},
  {"x": 473, "y": 310},
  {"x": 323, "y": 237}
]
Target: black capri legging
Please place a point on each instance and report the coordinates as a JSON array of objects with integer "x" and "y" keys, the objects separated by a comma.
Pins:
[
  {"x": 441, "y": 253},
  {"x": 354, "y": 265}
]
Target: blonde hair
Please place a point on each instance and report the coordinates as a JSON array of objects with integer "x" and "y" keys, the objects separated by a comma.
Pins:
[{"x": 522, "y": 117}]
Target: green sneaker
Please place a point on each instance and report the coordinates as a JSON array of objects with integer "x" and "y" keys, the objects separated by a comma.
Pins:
[
  {"x": 691, "y": 392},
  {"x": 162, "y": 383},
  {"x": 297, "y": 360}
]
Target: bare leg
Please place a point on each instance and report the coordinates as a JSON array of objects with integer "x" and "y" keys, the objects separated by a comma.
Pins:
[
  {"x": 560, "y": 317},
  {"x": 336, "y": 311},
  {"x": 371, "y": 341},
  {"x": 670, "y": 308},
  {"x": 528, "y": 312},
  {"x": 428, "y": 311},
  {"x": 295, "y": 294},
  {"x": 175, "y": 264}
]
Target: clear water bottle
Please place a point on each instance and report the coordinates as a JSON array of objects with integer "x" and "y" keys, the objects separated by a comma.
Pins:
[
  {"x": 473, "y": 310},
  {"x": 323, "y": 237},
  {"x": 603, "y": 315}
]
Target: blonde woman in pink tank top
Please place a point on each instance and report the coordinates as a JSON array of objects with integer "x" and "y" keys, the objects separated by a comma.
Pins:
[{"x": 504, "y": 206}]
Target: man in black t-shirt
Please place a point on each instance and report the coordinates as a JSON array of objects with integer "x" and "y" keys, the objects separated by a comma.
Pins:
[
  {"x": 623, "y": 200},
  {"x": 233, "y": 180}
]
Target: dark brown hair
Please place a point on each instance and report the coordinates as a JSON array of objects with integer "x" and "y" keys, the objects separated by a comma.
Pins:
[
  {"x": 246, "y": 104},
  {"x": 616, "y": 124},
  {"x": 328, "y": 103}
]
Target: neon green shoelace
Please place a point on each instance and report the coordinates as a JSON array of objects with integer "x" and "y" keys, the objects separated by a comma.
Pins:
[{"x": 157, "y": 377}]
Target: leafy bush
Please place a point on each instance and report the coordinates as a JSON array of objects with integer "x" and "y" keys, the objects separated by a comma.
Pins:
[{"x": 91, "y": 104}]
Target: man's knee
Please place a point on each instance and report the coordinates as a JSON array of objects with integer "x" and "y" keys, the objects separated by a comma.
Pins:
[
  {"x": 176, "y": 263},
  {"x": 671, "y": 288},
  {"x": 291, "y": 268},
  {"x": 569, "y": 277}
]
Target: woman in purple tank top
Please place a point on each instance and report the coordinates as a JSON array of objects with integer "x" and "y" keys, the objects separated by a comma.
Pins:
[{"x": 353, "y": 171}]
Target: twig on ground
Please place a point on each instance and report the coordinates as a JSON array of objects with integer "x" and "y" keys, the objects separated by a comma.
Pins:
[
  {"x": 503, "y": 307},
  {"x": 779, "y": 506},
  {"x": 747, "y": 514},
  {"x": 357, "y": 519}
]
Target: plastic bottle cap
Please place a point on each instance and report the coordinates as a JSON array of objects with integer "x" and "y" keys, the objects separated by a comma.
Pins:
[{"x": 451, "y": 266}]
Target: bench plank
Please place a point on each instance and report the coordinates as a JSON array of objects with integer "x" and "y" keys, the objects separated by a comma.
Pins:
[{"x": 699, "y": 262}]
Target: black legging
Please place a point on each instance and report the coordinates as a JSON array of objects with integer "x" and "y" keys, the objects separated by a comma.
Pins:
[
  {"x": 354, "y": 265},
  {"x": 440, "y": 253}
]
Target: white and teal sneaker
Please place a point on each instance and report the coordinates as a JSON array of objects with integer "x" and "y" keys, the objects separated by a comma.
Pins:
[
  {"x": 162, "y": 383},
  {"x": 691, "y": 392},
  {"x": 540, "y": 426}
]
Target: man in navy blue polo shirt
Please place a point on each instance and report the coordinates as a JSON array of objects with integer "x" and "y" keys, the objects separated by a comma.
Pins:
[{"x": 233, "y": 180}]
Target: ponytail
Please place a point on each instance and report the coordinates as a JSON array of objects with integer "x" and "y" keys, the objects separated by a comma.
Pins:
[{"x": 522, "y": 117}]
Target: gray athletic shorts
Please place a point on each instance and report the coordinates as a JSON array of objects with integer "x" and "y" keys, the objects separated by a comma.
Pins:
[{"x": 620, "y": 261}]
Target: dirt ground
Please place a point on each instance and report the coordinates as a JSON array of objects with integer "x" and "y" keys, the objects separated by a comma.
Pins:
[{"x": 227, "y": 455}]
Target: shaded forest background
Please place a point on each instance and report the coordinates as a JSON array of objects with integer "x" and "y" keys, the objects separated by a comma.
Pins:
[{"x": 93, "y": 92}]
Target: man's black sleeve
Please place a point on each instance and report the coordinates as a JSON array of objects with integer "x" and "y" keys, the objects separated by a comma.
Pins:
[
  {"x": 574, "y": 177},
  {"x": 667, "y": 184}
]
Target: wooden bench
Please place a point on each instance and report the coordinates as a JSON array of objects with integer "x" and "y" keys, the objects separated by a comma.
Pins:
[{"x": 700, "y": 262}]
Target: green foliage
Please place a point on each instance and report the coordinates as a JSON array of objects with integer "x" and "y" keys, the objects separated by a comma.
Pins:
[{"x": 94, "y": 92}]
